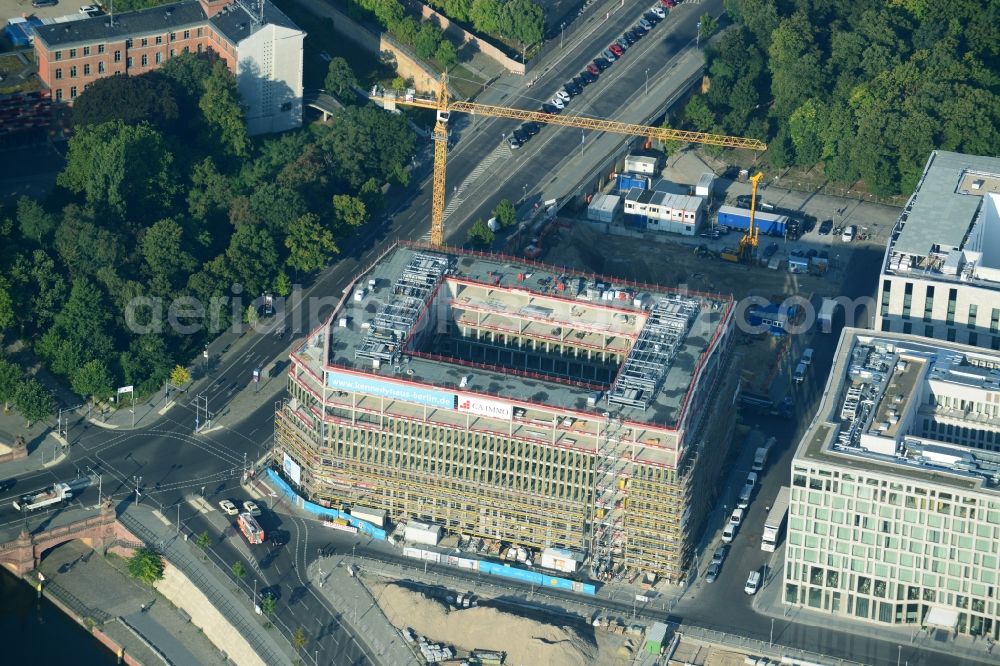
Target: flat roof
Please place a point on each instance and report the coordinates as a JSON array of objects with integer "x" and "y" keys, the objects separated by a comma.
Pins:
[
  {"x": 164, "y": 18},
  {"x": 643, "y": 324},
  {"x": 878, "y": 376},
  {"x": 237, "y": 25}
]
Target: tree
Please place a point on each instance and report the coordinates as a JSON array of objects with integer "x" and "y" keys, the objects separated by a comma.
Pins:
[
  {"x": 79, "y": 333},
  {"x": 33, "y": 400},
  {"x": 121, "y": 168},
  {"x": 146, "y": 565},
  {"x": 38, "y": 289},
  {"x": 6, "y": 307},
  {"x": 239, "y": 570},
  {"x": 698, "y": 114},
  {"x": 310, "y": 244},
  {"x": 86, "y": 247},
  {"x": 251, "y": 258},
  {"x": 10, "y": 382},
  {"x": 446, "y": 55},
  {"x": 282, "y": 284},
  {"x": 300, "y": 638},
  {"x": 480, "y": 235},
  {"x": 426, "y": 41},
  {"x": 250, "y": 316},
  {"x": 805, "y": 126},
  {"x": 522, "y": 21},
  {"x": 340, "y": 80},
  {"x": 268, "y": 604},
  {"x": 505, "y": 213},
  {"x": 706, "y": 26},
  {"x": 365, "y": 142},
  {"x": 179, "y": 376},
  {"x": 130, "y": 99},
  {"x": 349, "y": 211},
  {"x": 33, "y": 220},
  {"x": 203, "y": 540},
  {"x": 796, "y": 66},
  {"x": 92, "y": 380},
  {"x": 210, "y": 191},
  {"x": 220, "y": 105}
]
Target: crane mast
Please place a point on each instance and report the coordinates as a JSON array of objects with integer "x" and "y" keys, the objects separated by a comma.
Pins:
[{"x": 444, "y": 106}]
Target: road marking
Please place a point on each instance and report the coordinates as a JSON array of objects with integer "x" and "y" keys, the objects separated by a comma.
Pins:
[
  {"x": 198, "y": 503},
  {"x": 161, "y": 517}
]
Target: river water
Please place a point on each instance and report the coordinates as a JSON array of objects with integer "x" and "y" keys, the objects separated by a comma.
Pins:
[{"x": 37, "y": 632}]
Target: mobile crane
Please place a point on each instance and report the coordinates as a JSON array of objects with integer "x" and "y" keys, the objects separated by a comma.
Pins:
[
  {"x": 444, "y": 106},
  {"x": 748, "y": 244}
]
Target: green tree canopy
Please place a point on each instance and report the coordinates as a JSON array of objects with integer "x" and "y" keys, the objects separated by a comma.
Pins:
[
  {"x": 340, "y": 80},
  {"x": 33, "y": 221},
  {"x": 120, "y": 168},
  {"x": 349, "y": 211},
  {"x": 131, "y": 99},
  {"x": 92, "y": 380},
  {"x": 146, "y": 565},
  {"x": 33, "y": 400},
  {"x": 10, "y": 381},
  {"x": 480, "y": 235},
  {"x": 310, "y": 244},
  {"x": 220, "y": 105},
  {"x": 505, "y": 213}
]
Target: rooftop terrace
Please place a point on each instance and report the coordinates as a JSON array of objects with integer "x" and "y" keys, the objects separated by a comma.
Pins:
[
  {"x": 877, "y": 386},
  {"x": 950, "y": 228},
  {"x": 400, "y": 317}
]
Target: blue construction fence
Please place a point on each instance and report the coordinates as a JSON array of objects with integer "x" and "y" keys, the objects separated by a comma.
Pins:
[{"x": 363, "y": 527}]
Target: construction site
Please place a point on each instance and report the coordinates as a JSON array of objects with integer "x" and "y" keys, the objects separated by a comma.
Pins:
[{"x": 513, "y": 401}]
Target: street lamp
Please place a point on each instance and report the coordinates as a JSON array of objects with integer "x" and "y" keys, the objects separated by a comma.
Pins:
[
  {"x": 524, "y": 192},
  {"x": 899, "y": 654},
  {"x": 562, "y": 30},
  {"x": 138, "y": 480},
  {"x": 647, "y": 80}
]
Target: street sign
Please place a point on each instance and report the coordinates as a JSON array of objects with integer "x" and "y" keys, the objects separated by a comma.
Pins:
[
  {"x": 642, "y": 598},
  {"x": 256, "y": 374},
  {"x": 125, "y": 389}
]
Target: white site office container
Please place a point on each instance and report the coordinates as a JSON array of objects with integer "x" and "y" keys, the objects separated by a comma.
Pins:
[{"x": 426, "y": 533}]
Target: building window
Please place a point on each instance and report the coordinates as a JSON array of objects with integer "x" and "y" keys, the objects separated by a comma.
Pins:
[
  {"x": 199, "y": 32},
  {"x": 100, "y": 67},
  {"x": 952, "y": 297},
  {"x": 928, "y": 331},
  {"x": 129, "y": 62},
  {"x": 118, "y": 56},
  {"x": 159, "y": 57},
  {"x": 58, "y": 94},
  {"x": 58, "y": 73},
  {"x": 72, "y": 92},
  {"x": 86, "y": 50},
  {"x": 144, "y": 42},
  {"x": 973, "y": 338},
  {"x": 951, "y": 334},
  {"x": 929, "y": 304},
  {"x": 58, "y": 55},
  {"x": 187, "y": 49},
  {"x": 907, "y": 327},
  {"x": 128, "y": 43},
  {"x": 72, "y": 72},
  {"x": 145, "y": 60},
  {"x": 100, "y": 48},
  {"x": 199, "y": 48},
  {"x": 159, "y": 39},
  {"x": 72, "y": 53},
  {"x": 86, "y": 69},
  {"x": 187, "y": 34},
  {"x": 173, "y": 36},
  {"x": 995, "y": 342},
  {"x": 885, "y": 323}
]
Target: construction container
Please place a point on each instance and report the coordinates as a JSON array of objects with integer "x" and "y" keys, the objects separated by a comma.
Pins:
[
  {"x": 426, "y": 533},
  {"x": 656, "y": 638},
  {"x": 704, "y": 186},
  {"x": 641, "y": 164},
  {"x": 604, "y": 208},
  {"x": 560, "y": 559},
  {"x": 627, "y": 182},
  {"x": 374, "y": 516}
]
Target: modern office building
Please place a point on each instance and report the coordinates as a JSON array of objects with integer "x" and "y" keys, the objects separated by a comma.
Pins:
[
  {"x": 941, "y": 272},
  {"x": 895, "y": 495},
  {"x": 518, "y": 402},
  {"x": 258, "y": 43}
]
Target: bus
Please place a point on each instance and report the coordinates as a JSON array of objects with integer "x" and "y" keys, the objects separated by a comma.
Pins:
[
  {"x": 251, "y": 528},
  {"x": 775, "y": 521}
]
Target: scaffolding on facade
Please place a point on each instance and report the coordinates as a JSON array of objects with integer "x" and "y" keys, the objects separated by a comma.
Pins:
[
  {"x": 612, "y": 470},
  {"x": 642, "y": 373}
]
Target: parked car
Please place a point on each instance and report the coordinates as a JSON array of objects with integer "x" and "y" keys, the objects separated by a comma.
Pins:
[
  {"x": 848, "y": 234},
  {"x": 736, "y": 518},
  {"x": 728, "y": 533},
  {"x": 44, "y": 3},
  {"x": 743, "y": 201},
  {"x": 719, "y": 556},
  {"x": 251, "y": 508},
  {"x": 825, "y": 227},
  {"x": 549, "y": 109},
  {"x": 770, "y": 250},
  {"x": 563, "y": 95},
  {"x": 588, "y": 76},
  {"x": 659, "y": 11},
  {"x": 594, "y": 69},
  {"x": 572, "y": 89},
  {"x": 228, "y": 507},
  {"x": 712, "y": 573},
  {"x": 616, "y": 49},
  {"x": 602, "y": 63},
  {"x": 639, "y": 30},
  {"x": 811, "y": 253},
  {"x": 90, "y": 10},
  {"x": 557, "y": 102},
  {"x": 513, "y": 142},
  {"x": 530, "y": 129},
  {"x": 753, "y": 583},
  {"x": 630, "y": 37},
  {"x": 581, "y": 82},
  {"x": 520, "y": 136},
  {"x": 807, "y": 356},
  {"x": 669, "y": 4},
  {"x": 609, "y": 55},
  {"x": 623, "y": 43},
  {"x": 651, "y": 18}
]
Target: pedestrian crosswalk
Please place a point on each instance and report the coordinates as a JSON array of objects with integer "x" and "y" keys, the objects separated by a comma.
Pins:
[{"x": 454, "y": 198}]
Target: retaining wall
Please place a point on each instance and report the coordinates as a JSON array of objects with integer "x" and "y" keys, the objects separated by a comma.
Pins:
[{"x": 466, "y": 37}]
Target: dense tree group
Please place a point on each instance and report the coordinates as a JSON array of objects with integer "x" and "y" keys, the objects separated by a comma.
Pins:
[
  {"x": 426, "y": 39},
  {"x": 177, "y": 204},
  {"x": 520, "y": 21},
  {"x": 866, "y": 88}
]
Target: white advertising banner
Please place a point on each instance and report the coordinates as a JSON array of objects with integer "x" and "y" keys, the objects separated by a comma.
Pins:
[
  {"x": 292, "y": 470},
  {"x": 482, "y": 407}
]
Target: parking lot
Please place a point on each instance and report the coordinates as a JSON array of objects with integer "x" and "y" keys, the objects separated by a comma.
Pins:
[{"x": 14, "y": 8}]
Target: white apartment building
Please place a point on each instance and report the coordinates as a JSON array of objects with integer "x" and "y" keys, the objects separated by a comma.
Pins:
[
  {"x": 895, "y": 498},
  {"x": 941, "y": 272}
]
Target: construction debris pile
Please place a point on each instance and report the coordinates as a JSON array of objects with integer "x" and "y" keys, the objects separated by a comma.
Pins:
[{"x": 482, "y": 629}]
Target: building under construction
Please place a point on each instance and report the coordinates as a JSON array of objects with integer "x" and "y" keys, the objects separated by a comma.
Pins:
[{"x": 519, "y": 402}]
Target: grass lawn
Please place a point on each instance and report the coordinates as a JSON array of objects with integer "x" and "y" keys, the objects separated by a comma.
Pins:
[{"x": 10, "y": 67}]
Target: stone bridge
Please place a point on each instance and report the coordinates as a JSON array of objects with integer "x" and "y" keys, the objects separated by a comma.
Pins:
[{"x": 99, "y": 532}]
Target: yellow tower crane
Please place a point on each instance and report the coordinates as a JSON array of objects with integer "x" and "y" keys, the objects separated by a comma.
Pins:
[
  {"x": 748, "y": 244},
  {"x": 444, "y": 106}
]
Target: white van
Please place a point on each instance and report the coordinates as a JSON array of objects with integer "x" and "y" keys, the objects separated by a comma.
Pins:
[
  {"x": 800, "y": 373},
  {"x": 848, "y": 234},
  {"x": 729, "y": 533},
  {"x": 753, "y": 583}
]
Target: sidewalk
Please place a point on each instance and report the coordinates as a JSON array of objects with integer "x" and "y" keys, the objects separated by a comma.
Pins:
[
  {"x": 45, "y": 451},
  {"x": 96, "y": 588},
  {"x": 909, "y": 637}
]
